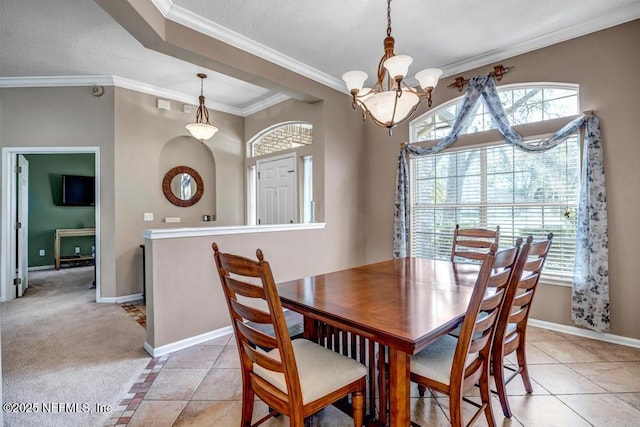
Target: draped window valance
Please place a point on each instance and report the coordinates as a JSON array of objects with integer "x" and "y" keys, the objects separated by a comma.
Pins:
[{"x": 590, "y": 295}]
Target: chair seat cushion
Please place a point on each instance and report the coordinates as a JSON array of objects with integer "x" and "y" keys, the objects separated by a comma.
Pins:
[
  {"x": 435, "y": 361},
  {"x": 321, "y": 370}
]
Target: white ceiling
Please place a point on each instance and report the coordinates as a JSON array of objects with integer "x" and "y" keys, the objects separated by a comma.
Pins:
[{"x": 71, "y": 42}]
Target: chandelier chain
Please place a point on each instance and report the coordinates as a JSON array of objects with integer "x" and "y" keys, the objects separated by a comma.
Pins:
[{"x": 388, "y": 18}]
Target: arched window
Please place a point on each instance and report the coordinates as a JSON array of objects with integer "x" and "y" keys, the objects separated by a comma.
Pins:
[
  {"x": 496, "y": 184},
  {"x": 280, "y": 137}
]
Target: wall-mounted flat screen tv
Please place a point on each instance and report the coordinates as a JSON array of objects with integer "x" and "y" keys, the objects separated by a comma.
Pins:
[{"x": 78, "y": 190}]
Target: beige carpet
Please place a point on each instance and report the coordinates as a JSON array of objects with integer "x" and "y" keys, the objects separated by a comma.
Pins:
[{"x": 66, "y": 354}]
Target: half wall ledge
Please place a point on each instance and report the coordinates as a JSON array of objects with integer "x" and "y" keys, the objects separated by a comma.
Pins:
[{"x": 170, "y": 233}]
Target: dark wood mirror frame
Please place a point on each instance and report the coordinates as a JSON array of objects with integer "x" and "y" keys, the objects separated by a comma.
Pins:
[{"x": 166, "y": 186}]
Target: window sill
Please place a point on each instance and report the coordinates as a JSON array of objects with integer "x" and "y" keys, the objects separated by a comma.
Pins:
[{"x": 556, "y": 281}]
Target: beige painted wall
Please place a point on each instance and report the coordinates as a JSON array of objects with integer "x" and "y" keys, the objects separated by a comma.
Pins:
[
  {"x": 148, "y": 143},
  {"x": 186, "y": 302},
  {"x": 68, "y": 117},
  {"x": 605, "y": 65}
]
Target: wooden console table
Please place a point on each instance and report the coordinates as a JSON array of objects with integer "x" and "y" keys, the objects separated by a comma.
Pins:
[{"x": 71, "y": 232}]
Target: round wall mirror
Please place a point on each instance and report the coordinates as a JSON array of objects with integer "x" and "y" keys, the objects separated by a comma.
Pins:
[{"x": 182, "y": 186}]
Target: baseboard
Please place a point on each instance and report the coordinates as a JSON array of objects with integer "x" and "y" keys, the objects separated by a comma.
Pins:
[
  {"x": 586, "y": 333},
  {"x": 41, "y": 267},
  {"x": 188, "y": 342},
  {"x": 120, "y": 300}
]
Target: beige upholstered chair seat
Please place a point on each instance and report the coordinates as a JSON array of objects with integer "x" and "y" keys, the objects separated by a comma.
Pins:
[
  {"x": 321, "y": 371},
  {"x": 436, "y": 359}
]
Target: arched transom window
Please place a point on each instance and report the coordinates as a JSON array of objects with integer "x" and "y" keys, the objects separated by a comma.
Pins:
[
  {"x": 523, "y": 104},
  {"x": 281, "y": 137}
]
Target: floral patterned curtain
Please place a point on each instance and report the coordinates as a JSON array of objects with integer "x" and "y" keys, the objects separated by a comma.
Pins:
[{"x": 590, "y": 299}]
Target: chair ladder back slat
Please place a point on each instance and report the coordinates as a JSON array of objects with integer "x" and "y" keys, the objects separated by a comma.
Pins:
[
  {"x": 245, "y": 289},
  {"x": 255, "y": 336},
  {"x": 475, "y": 238},
  {"x": 478, "y": 256},
  {"x": 490, "y": 302},
  {"x": 533, "y": 265},
  {"x": 518, "y": 315},
  {"x": 523, "y": 299},
  {"x": 251, "y": 314},
  {"x": 474, "y": 244},
  {"x": 239, "y": 265},
  {"x": 480, "y": 343},
  {"x": 476, "y": 232},
  {"x": 486, "y": 322},
  {"x": 263, "y": 360},
  {"x": 528, "y": 282}
]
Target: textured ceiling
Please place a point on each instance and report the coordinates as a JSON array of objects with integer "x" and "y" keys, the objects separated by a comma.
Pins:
[{"x": 321, "y": 39}]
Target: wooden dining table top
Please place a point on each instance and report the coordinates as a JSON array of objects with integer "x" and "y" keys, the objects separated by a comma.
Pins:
[{"x": 404, "y": 303}]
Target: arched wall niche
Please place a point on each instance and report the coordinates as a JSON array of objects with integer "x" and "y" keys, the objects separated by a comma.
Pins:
[{"x": 186, "y": 151}]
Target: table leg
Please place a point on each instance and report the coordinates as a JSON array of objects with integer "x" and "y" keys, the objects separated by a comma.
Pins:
[{"x": 400, "y": 403}]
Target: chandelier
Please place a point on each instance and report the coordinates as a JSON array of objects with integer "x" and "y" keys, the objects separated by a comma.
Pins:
[
  {"x": 202, "y": 129},
  {"x": 391, "y": 101}
]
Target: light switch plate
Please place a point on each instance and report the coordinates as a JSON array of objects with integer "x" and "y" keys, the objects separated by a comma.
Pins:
[{"x": 148, "y": 216}]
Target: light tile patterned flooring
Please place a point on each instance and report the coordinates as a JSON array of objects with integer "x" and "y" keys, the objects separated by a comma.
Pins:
[{"x": 577, "y": 382}]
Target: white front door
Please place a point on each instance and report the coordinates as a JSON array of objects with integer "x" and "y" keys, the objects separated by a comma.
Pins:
[
  {"x": 277, "y": 194},
  {"x": 22, "y": 217}
]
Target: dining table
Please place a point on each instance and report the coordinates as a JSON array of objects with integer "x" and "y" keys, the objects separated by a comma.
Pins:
[{"x": 398, "y": 306}]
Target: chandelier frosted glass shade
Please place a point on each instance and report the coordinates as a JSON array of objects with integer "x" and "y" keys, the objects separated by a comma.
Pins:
[
  {"x": 389, "y": 108},
  {"x": 398, "y": 66},
  {"x": 428, "y": 78},
  {"x": 201, "y": 131},
  {"x": 354, "y": 79}
]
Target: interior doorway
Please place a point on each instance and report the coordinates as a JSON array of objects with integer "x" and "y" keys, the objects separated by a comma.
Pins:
[{"x": 13, "y": 241}]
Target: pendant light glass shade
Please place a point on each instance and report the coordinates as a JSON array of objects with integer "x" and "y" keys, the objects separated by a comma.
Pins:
[{"x": 201, "y": 131}]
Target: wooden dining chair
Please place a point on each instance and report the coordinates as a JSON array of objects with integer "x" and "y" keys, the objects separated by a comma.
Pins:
[
  {"x": 296, "y": 378},
  {"x": 452, "y": 365},
  {"x": 511, "y": 330},
  {"x": 472, "y": 243}
]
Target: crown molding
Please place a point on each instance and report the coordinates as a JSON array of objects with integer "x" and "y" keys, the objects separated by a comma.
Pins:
[
  {"x": 265, "y": 103},
  {"x": 121, "y": 82},
  {"x": 185, "y": 17},
  {"x": 189, "y": 19},
  {"x": 56, "y": 81},
  {"x": 613, "y": 18}
]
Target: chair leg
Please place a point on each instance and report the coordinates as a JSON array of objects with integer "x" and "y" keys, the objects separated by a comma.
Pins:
[
  {"x": 485, "y": 395},
  {"x": 357, "y": 402},
  {"x": 247, "y": 406},
  {"x": 497, "y": 364},
  {"x": 521, "y": 353},
  {"x": 455, "y": 409}
]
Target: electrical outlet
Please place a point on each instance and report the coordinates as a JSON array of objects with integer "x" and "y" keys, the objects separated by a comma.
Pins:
[
  {"x": 148, "y": 216},
  {"x": 77, "y": 249},
  {"x": 41, "y": 252}
]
